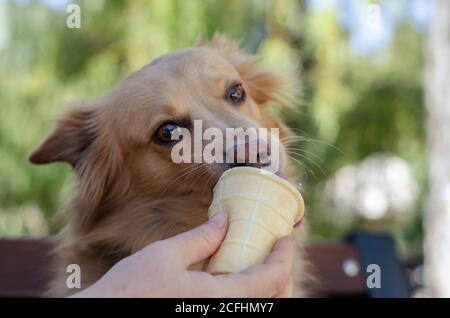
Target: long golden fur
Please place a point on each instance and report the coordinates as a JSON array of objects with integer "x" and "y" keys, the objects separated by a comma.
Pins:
[{"x": 128, "y": 191}]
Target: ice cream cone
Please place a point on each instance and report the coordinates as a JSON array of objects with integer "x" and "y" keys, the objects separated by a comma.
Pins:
[{"x": 261, "y": 208}]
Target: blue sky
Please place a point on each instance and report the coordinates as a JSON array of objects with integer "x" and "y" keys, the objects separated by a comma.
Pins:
[
  {"x": 372, "y": 27},
  {"x": 56, "y": 4}
]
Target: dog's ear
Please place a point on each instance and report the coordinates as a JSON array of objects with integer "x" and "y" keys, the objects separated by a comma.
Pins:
[
  {"x": 263, "y": 84},
  {"x": 73, "y": 135},
  {"x": 95, "y": 157}
]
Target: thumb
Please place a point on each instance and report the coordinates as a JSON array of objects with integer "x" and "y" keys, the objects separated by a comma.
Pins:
[{"x": 200, "y": 243}]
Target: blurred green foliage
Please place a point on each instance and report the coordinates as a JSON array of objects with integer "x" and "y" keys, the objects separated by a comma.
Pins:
[{"x": 354, "y": 106}]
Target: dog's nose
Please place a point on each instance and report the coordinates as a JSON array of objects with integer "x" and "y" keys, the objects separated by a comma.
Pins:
[{"x": 254, "y": 153}]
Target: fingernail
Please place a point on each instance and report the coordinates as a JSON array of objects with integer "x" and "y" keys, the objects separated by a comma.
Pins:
[{"x": 219, "y": 220}]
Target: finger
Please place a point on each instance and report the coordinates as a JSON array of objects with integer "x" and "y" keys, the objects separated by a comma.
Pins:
[
  {"x": 287, "y": 290},
  {"x": 200, "y": 243},
  {"x": 263, "y": 280},
  {"x": 282, "y": 252}
]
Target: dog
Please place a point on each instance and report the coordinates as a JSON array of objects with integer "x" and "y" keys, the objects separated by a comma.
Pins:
[{"x": 129, "y": 192}]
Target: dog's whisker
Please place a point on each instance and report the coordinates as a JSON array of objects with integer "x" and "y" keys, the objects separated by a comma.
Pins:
[
  {"x": 292, "y": 149},
  {"x": 305, "y": 138},
  {"x": 184, "y": 172},
  {"x": 195, "y": 176},
  {"x": 299, "y": 154},
  {"x": 293, "y": 154},
  {"x": 187, "y": 171},
  {"x": 200, "y": 176},
  {"x": 167, "y": 166},
  {"x": 207, "y": 181},
  {"x": 309, "y": 170}
]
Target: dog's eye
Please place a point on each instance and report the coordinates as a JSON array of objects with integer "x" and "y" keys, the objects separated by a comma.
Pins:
[
  {"x": 165, "y": 132},
  {"x": 236, "y": 94}
]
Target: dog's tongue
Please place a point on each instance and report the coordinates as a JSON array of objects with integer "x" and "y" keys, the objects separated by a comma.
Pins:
[{"x": 298, "y": 223}]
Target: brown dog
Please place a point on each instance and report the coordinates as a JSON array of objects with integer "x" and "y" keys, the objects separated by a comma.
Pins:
[{"x": 129, "y": 192}]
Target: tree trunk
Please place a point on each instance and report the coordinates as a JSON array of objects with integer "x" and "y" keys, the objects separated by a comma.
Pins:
[{"x": 437, "y": 220}]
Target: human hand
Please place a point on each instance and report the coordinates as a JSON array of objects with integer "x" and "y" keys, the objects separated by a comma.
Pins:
[{"x": 162, "y": 269}]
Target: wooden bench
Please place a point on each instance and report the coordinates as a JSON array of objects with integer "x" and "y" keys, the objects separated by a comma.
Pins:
[{"x": 338, "y": 268}]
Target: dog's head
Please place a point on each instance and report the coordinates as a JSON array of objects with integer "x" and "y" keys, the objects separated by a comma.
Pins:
[{"x": 122, "y": 146}]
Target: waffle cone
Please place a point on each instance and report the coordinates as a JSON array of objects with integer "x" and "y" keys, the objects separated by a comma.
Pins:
[{"x": 261, "y": 208}]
